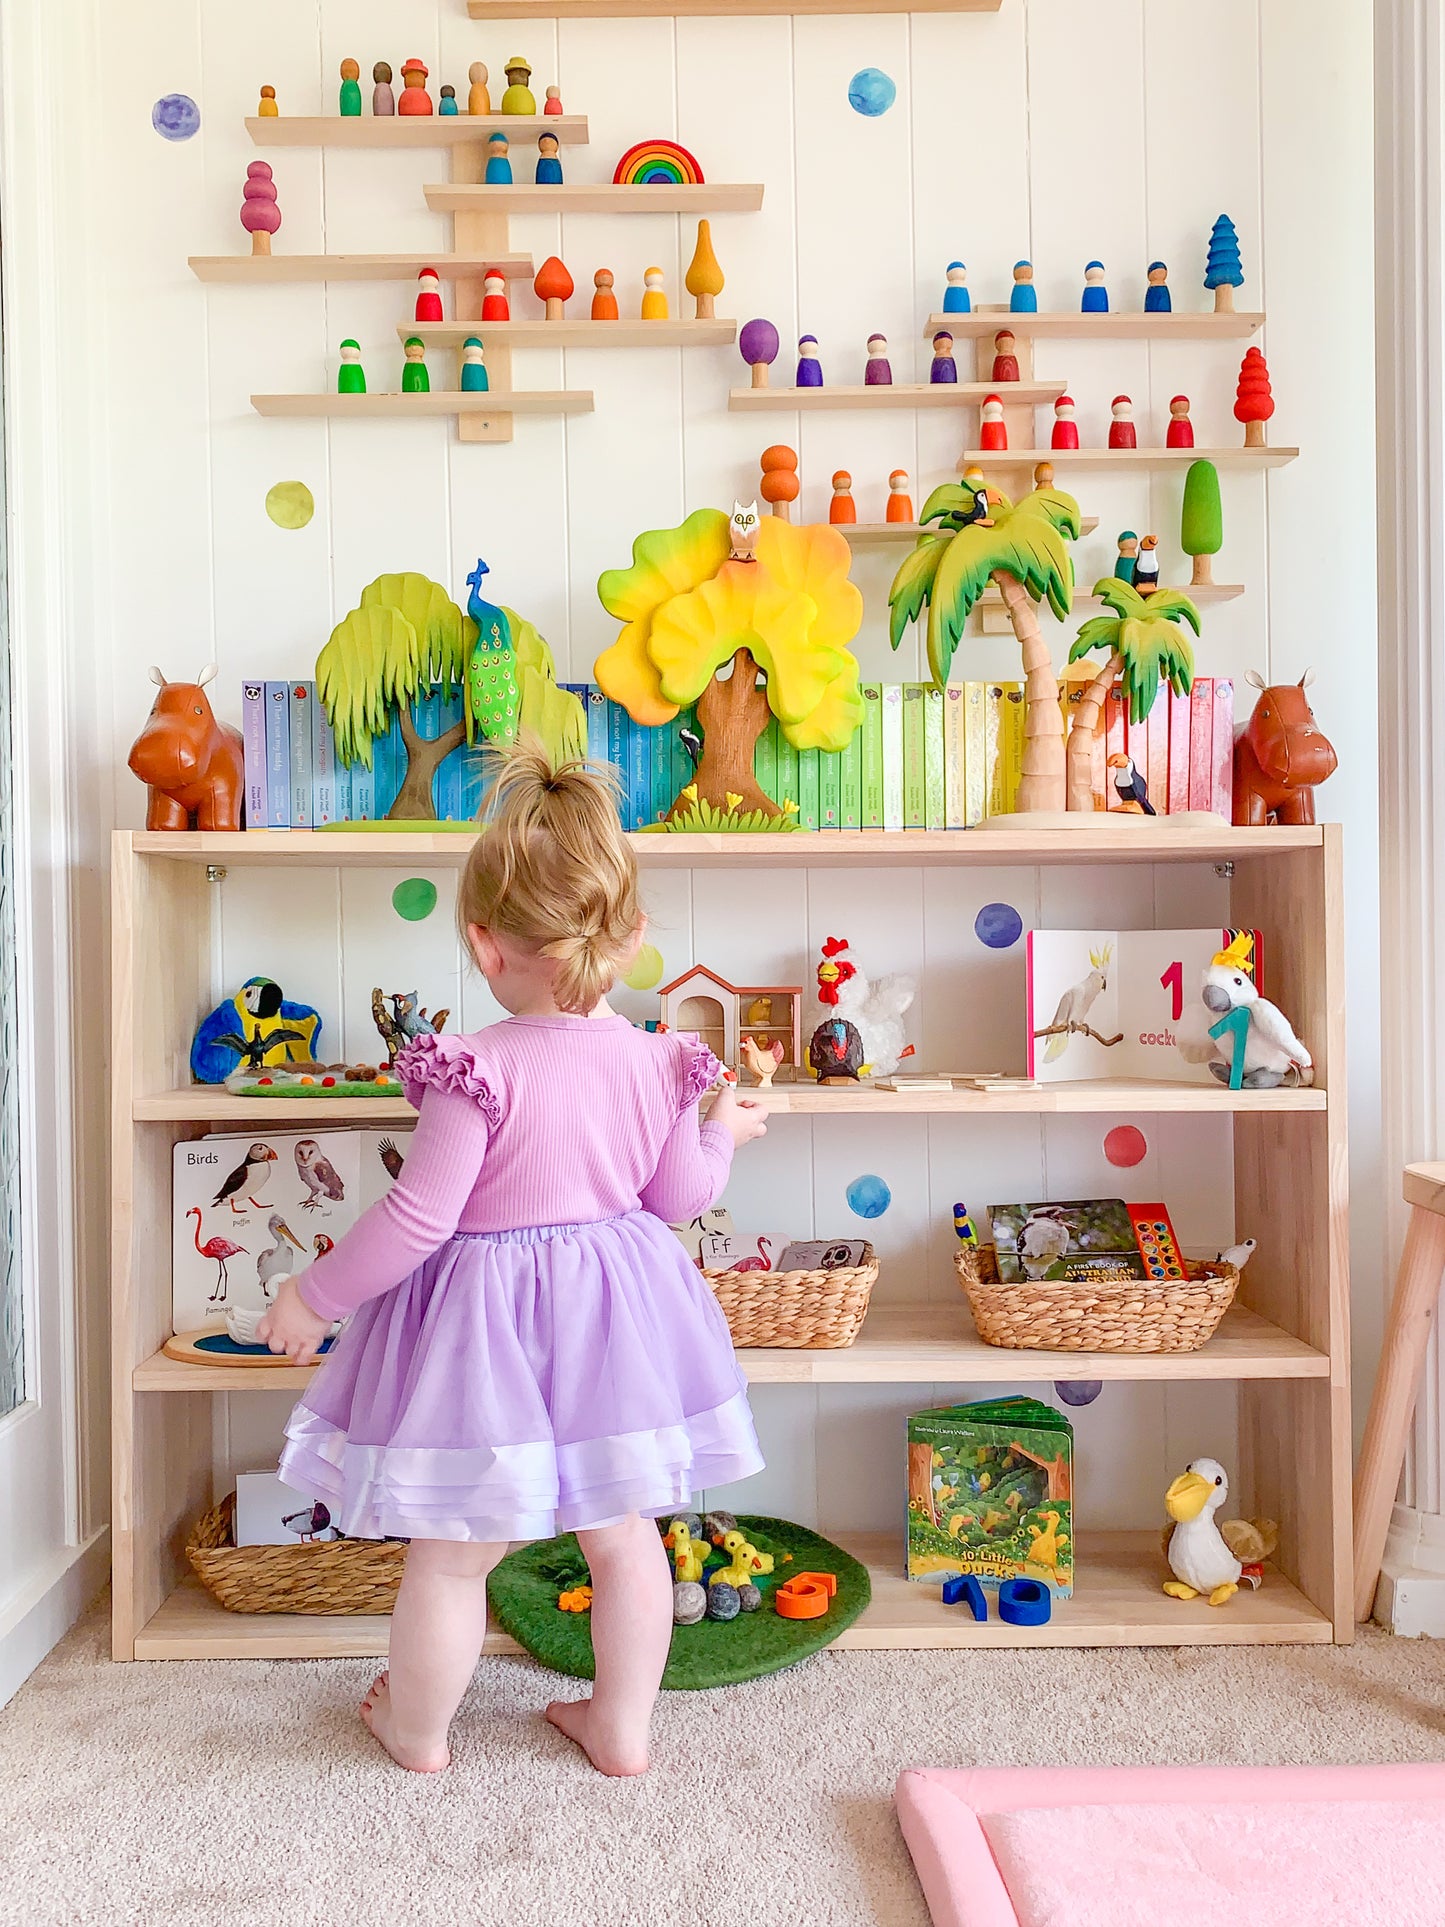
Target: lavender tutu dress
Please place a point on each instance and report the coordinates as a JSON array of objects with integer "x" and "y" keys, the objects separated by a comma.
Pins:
[{"x": 529, "y": 1349}]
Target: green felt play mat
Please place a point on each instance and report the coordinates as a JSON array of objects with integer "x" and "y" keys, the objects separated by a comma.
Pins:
[{"x": 523, "y": 1592}]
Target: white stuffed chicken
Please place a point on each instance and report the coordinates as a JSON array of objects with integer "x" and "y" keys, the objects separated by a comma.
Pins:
[
  {"x": 1273, "y": 1055},
  {"x": 874, "y": 1009}
]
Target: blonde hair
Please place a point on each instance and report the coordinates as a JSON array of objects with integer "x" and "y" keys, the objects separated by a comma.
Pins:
[{"x": 553, "y": 870}]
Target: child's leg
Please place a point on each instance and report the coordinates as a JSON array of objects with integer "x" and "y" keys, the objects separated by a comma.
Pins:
[
  {"x": 631, "y": 1633},
  {"x": 437, "y": 1629}
]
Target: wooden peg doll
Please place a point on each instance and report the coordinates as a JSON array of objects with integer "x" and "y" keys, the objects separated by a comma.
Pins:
[
  {"x": 499, "y": 165},
  {"x": 1146, "y": 568},
  {"x": 268, "y": 110},
  {"x": 900, "y": 502},
  {"x": 1157, "y": 299},
  {"x": 1181, "y": 429},
  {"x": 351, "y": 376},
  {"x": 428, "y": 296},
  {"x": 1066, "y": 429},
  {"x": 474, "y": 367},
  {"x": 414, "y": 97},
  {"x": 779, "y": 484},
  {"x": 519, "y": 98},
  {"x": 810, "y": 369},
  {"x": 383, "y": 100},
  {"x": 447, "y": 100},
  {"x": 479, "y": 99},
  {"x": 552, "y": 104},
  {"x": 495, "y": 306},
  {"x": 1128, "y": 556},
  {"x": 1005, "y": 361},
  {"x": 1043, "y": 474},
  {"x": 1096, "y": 296},
  {"x": 654, "y": 295},
  {"x": 993, "y": 430},
  {"x": 878, "y": 373},
  {"x": 604, "y": 301},
  {"x": 549, "y": 167},
  {"x": 841, "y": 508},
  {"x": 414, "y": 378},
  {"x": 1025, "y": 296},
  {"x": 1121, "y": 425},
  {"x": 350, "y": 90},
  {"x": 553, "y": 287},
  {"x": 956, "y": 297},
  {"x": 943, "y": 367}
]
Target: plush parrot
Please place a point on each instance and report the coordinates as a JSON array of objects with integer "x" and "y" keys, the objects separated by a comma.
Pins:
[
  {"x": 492, "y": 672},
  {"x": 1273, "y": 1055}
]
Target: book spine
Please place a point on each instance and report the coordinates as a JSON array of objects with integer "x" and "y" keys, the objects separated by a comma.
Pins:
[
  {"x": 278, "y": 756},
  {"x": 765, "y": 760},
  {"x": 1180, "y": 711},
  {"x": 323, "y": 766},
  {"x": 253, "y": 735},
  {"x": 850, "y": 805},
  {"x": 955, "y": 759},
  {"x": 1156, "y": 771},
  {"x": 618, "y": 725},
  {"x": 808, "y": 786},
  {"x": 1013, "y": 725},
  {"x": 595, "y": 704},
  {"x": 915, "y": 722},
  {"x": 975, "y": 752},
  {"x": 872, "y": 755},
  {"x": 1222, "y": 789},
  {"x": 1201, "y": 744},
  {"x": 682, "y": 769},
  {"x": 640, "y": 740},
  {"x": 303, "y": 797},
  {"x": 996, "y": 753},
  {"x": 664, "y": 742},
  {"x": 893, "y": 756},
  {"x": 789, "y": 775},
  {"x": 830, "y": 789},
  {"x": 935, "y": 814}
]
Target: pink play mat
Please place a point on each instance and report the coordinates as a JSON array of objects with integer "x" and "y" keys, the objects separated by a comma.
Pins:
[{"x": 1288, "y": 1846}]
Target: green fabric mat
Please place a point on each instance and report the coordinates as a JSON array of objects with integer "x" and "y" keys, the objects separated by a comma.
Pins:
[{"x": 524, "y": 1587}]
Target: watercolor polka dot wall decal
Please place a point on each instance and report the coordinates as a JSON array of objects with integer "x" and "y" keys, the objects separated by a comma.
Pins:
[
  {"x": 1078, "y": 1391},
  {"x": 290, "y": 505},
  {"x": 1126, "y": 1145},
  {"x": 868, "y": 1197},
  {"x": 998, "y": 925},
  {"x": 871, "y": 92},
  {"x": 414, "y": 900},
  {"x": 645, "y": 969},
  {"x": 175, "y": 117}
]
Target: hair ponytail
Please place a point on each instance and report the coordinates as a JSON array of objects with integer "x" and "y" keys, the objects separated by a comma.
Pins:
[{"x": 552, "y": 869}]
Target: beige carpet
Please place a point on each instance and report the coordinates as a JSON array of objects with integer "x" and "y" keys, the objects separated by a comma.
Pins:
[{"x": 248, "y": 1792}]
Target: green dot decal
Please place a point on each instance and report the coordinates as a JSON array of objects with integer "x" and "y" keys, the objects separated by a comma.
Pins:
[
  {"x": 414, "y": 900},
  {"x": 646, "y": 969},
  {"x": 290, "y": 505}
]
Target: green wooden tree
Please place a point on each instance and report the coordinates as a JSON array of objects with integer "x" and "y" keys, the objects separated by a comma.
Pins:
[
  {"x": 1144, "y": 643},
  {"x": 1201, "y": 522}
]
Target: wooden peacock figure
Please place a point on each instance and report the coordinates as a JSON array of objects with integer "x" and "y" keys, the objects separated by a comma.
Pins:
[{"x": 492, "y": 672}]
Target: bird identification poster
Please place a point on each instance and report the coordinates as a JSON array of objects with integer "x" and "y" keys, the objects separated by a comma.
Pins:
[
  {"x": 249, "y": 1210},
  {"x": 1109, "y": 1003}
]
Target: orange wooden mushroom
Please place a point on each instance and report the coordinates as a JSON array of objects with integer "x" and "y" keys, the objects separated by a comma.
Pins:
[
  {"x": 780, "y": 484},
  {"x": 553, "y": 286}
]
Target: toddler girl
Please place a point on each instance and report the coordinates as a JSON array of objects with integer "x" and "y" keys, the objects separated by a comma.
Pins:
[{"x": 529, "y": 1349}]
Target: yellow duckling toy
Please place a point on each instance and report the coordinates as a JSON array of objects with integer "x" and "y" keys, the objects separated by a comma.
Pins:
[
  {"x": 1044, "y": 1551},
  {"x": 687, "y": 1559},
  {"x": 746, "y": 1562},
  {"x": 1205, "y": 1557}
]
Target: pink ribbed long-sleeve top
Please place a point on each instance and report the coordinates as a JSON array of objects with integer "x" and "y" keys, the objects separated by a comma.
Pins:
[{"x": 535, "y": 1121}]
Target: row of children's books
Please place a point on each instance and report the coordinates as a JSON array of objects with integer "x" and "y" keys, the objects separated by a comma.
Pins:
[{"x": 924, "y": 758}]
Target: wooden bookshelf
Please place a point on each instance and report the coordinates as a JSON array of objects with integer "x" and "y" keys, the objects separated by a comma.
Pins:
[{"x": 412, "y": 130}]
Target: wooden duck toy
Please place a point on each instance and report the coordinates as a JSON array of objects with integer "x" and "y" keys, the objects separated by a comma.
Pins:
[
  {"x": 745, "y": 1562},
  {"x": 1180, "y": 433},
  {"x": 878, "y": 370},
  {"x": 1157, "y": 299},
  {"x": 519, "y": 98},
  {"x": 414, "y": 97},
  {"x": 383, "y": 100},
  {"x": 479, "y": 99},
  {"x": 1207, "y": 1558},
  {"x": 654, "y": 295},
  {"x": 956, "y": 297},
  {"x": 1025, "y": 296},
  {"x": 604, "y": 301},
  {"x": 350, "y": 106},
  {"x": 1121, "y": 425},
  {"x": 1066, "y": 428},
  {"x": 1095, "y": 299},
  {"x": 499, "y": 165},
  {"x": 900, "y": 501},
  {"x": 688, "y": 1559}
]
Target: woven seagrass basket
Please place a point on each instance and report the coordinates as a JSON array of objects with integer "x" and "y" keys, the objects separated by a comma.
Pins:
[
  {"x": 1092, "y": 1315},
  {"x": 333, "y": 1576},
  {"x": 810, "y": 1311}
]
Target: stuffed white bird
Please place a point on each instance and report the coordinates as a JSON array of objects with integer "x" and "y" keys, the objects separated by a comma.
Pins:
[
  {"x": 1076, "y": 1003},
  {"x": 1205, "y": 1557},
  {"x": 1238, "y": 1255},
  {"x": 1273, "y": 1055}
]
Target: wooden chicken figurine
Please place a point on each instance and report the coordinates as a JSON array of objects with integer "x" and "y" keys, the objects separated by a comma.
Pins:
[
  {"x": 688, "y": 1558},
  {"x": 1206, "y": 1557},
  {"x": 762, "y": 1059}
]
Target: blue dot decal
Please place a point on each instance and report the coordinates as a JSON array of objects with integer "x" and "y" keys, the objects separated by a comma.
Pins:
[
  {"x": 998, "y": 925},
  {"x": 868, "y": 1197},
  {"x": 871, "y": 92},
  {"x": 1078, "y": 1391},
  {"x": 175, "y": 117}
]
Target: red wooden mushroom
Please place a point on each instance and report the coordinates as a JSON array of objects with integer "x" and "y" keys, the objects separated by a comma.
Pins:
[{"x": 553, "y": 286}]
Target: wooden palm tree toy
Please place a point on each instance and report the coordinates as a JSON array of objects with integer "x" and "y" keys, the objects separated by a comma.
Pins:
[
  {"x": 1023, "y": 551},
  {"x": 1144, "y": 643}
]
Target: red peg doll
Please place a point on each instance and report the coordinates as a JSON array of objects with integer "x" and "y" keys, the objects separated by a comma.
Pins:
[
  {"x": 428, "y": 296},
  {"x": 993, "y": 432},
  {"x": 1005, "y": 361},
  {"x": 1121, "y": 428},
  {"x": 1066, "y": 429},
  {"x": 495, "y": 306},
  {"x": 1181, "y": 429}
]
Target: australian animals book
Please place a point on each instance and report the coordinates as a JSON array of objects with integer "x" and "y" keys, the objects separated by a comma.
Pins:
[{"x": 990, "y": 1492}]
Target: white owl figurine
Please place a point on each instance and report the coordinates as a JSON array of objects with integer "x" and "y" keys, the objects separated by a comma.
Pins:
[{"x": 743, "y": 529}]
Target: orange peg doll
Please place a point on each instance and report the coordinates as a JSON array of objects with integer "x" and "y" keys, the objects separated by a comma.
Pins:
[
  {"x": 900, "y": 502},
  {"x": 779, "y": 486},
  {"x": 842, "y": 507},
  {"x": 604, "y": 301}
]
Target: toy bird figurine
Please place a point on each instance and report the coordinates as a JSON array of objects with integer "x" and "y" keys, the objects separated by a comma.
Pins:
[
  {"x": 762, "y": 1059},
  {"x": 1203, "y": 1556},
  {"x": 835, "y": 1052},
  {"x": 411, "y": 1019},
  {"x": 491, "y": 674},
  {"x": 1273, "y": 1055},
  {"x": 1146, "y": 565},
  {"x": 1238, "y": 1255},
  {"x": 1133, "y": 791}
]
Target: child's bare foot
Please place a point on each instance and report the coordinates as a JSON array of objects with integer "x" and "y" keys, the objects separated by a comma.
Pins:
[
  {"x": 610, "y": 1753},
  {"x": 376, "y": 1712}
]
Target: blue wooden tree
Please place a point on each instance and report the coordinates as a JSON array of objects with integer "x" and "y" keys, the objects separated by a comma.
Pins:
[{"x": 1222, "y": 271}]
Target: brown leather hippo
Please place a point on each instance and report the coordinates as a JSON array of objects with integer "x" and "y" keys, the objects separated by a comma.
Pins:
[
  {"x": 1280, "y": 756},
  {"x": 193, "y": 765}
]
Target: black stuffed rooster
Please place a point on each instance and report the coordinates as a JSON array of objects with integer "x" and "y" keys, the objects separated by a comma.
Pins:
[{"x": 835, "y": 1052}]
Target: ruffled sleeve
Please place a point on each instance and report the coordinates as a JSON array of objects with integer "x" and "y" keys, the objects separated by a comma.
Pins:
[
  {"x": 699, "y": 1071},
  {"x": 446, "y": 1064}
]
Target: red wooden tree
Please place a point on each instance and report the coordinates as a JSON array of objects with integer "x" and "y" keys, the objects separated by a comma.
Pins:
[
  {"x": 779, "y": 486},
  {"x": 1253, "y": 402},
  {"x": 260, "y": 216}
]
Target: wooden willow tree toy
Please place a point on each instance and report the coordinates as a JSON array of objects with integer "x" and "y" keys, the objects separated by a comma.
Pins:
[{"x": 743, "y": 639}]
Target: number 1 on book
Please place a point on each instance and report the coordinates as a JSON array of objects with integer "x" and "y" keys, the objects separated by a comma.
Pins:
[
  {"x": 1235, "y": 1021},
  {"x": 1173, "y": 979}
]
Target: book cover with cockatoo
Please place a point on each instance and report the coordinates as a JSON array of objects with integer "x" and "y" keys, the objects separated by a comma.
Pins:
[{"x": 1108, "y": 1003}]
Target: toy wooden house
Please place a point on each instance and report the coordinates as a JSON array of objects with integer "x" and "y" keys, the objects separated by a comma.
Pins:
[{"x": 720, "y": 1014}]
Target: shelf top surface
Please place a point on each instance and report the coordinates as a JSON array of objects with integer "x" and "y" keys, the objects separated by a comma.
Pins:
[
  {"x": 410, "y": 130},
  {"x": 1123, "y": 324},
  {"x": 575, "y": 331},
  {"x": 893, "y": 394},
  {"x": 265, "y": 268},
  {"x": 1238, "y": 457},
  {"x": 679, "y": 9},
  {"x": 597, "y": 197}
]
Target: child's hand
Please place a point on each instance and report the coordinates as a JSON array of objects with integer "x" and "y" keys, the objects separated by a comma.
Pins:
[
  {"x": 292, "y": 1327},
  {"x": 743, "y": 1118}
]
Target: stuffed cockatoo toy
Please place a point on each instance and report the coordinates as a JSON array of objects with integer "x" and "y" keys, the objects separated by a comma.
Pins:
[{"x": 1273, "y": 1055}]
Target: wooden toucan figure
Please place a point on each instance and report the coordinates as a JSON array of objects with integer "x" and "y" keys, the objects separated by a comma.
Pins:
[
  {"x": 492, "y": 672},
  {"x": 1146, "y": 566},
  {"x": 1132, "y": 789}
]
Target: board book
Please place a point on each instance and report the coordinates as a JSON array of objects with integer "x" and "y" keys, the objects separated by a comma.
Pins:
[
  {"x": 1085, "y": 1238},
  {"x": 990, "y": 1492}
]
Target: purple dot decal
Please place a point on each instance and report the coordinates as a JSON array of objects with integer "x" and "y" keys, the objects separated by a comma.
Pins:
[
  {"x": 176, "y": 117},
  {"x": 998, "y": 925},
  {"x": 1078, "y": 1391},
  {"x": 1126, "y": 1145}
]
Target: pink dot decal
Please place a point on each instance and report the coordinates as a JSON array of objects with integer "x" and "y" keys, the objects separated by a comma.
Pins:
[{"x": 1126, "y": 1145}]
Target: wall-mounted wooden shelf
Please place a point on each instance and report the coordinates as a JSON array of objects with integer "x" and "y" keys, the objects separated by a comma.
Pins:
[
  {"x": 440, "y": 402},
  {"x": 875, "y": 534},
  {"x": 1097, "y": 327},
  {"x": 1128, "y": 457},
  {"x": 268, "y": 270},
  {"x": 898, "y": 394},
  {"x": 578, "y": 333},
  {"x": 411, "y": 130},
  {"x": 995, "y": 621},
  {"x": 601, "y": 197},
  {"x": 691, "y": 9}
]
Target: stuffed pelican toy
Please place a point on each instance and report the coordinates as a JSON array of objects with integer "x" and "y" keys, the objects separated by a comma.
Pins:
[{"x": 1206, "y": 1557}]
